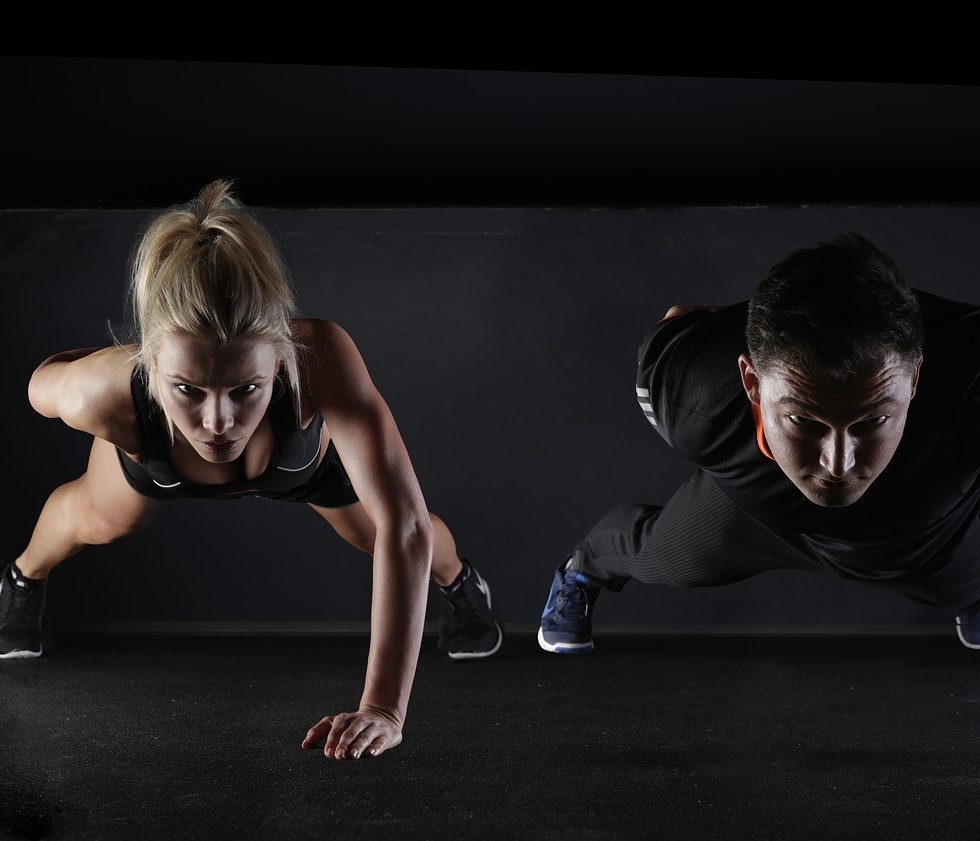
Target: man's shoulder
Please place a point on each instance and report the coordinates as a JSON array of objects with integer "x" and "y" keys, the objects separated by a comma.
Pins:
[
  {"x": 687, "y": 380},
  {"x": 951, "y": 344},
  {"x": 939, "y": 312}
]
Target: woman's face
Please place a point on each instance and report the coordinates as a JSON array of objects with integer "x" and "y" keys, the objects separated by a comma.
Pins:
[{"x": 216, "y": 395}]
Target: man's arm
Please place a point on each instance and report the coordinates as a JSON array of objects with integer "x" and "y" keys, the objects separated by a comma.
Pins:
[{"x": 677, "y": 310}]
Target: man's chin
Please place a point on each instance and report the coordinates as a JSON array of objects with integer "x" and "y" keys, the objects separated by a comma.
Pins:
[{"x": 834, "y": 497}]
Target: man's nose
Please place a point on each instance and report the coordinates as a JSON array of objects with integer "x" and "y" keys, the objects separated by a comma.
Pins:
[{"x": 837, "y": 454}]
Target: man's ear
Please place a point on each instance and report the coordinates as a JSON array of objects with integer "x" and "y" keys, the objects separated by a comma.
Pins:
[
  {"x": 915, "y": 375},
  {"x": 750, "y": 379}
]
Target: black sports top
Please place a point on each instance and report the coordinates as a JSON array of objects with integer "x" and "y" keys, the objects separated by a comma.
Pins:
[
  {"x": 919, "y": 510},
  {"x": 293, "y": 461}
]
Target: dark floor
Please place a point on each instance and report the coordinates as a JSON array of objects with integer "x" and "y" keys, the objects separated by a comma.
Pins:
[{"x": 650, "y": 737}]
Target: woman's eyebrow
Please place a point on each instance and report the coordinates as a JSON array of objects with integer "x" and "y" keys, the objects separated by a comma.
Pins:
[{"x": 189, "y": 381}]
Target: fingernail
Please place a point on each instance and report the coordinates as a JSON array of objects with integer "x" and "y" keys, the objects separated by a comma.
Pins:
[
  {"x": 353, "y": 754},
  {"x": 372, "y": 751},
  {"x": 340, "y": 754}
]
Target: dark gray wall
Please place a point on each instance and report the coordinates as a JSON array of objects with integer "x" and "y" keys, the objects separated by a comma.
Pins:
[{"x": 504, "y": 341}]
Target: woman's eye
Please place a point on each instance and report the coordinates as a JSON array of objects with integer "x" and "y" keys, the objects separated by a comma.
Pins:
[
  {"x": 251, "y": 386},
  {"x": 181, "y": 386}
]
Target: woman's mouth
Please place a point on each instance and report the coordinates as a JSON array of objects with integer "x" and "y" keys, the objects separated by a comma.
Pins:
[{"x": 219, "y": 446}]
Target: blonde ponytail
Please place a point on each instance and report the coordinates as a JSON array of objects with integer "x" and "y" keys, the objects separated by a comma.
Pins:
[{"x": 208, "y": 269}]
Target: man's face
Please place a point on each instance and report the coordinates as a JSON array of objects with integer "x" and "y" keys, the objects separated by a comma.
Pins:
[{"x": 832, "y": 441}]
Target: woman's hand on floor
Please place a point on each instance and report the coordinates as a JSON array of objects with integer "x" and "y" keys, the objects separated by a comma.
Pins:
[{"x": 353, "y": 735}]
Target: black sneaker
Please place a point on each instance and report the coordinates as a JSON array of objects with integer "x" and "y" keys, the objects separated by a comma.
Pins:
[
  {"x": 21, "y": 608},
  {"x": 968, "y": 627},
  {"x": 468, "y": 626}
]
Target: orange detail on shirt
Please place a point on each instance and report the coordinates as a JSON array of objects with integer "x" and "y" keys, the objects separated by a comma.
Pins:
[{"x": 760, "y": 437}]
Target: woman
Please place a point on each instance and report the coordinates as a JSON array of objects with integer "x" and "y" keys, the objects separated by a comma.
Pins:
[{"x": 226, "y": 394}]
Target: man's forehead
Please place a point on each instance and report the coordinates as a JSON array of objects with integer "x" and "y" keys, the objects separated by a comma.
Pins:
[{"x": 887, "y": 382}]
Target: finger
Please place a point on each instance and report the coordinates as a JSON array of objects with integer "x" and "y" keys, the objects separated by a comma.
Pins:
[
  {"x": 317, "y": 731},
  {"x": 377, "y": 746},
  {"x": 364, "y": 738},
  {"x": 336, "y": 729},
  {"x": 355, "y": 727}
]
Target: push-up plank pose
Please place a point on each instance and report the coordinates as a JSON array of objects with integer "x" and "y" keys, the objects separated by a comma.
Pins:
[
  {"x": 797, "y": 407},
  {"x": 227, "y": 394}
]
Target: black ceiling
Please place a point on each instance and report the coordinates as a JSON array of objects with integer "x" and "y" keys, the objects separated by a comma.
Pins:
[{"x": 147, "y": 131}]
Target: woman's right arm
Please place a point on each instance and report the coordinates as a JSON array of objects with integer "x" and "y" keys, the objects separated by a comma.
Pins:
[{"x": 88, "y": 389}]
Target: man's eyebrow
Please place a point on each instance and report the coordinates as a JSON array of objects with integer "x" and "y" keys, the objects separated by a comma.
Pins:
[{"x": 816, "y": 410}]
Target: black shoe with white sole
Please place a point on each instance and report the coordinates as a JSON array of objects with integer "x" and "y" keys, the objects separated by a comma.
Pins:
[
  {"x": 468, "y": 627},
  {"x": 968, "y": 628},
  {"x": 21, "y": 609}
]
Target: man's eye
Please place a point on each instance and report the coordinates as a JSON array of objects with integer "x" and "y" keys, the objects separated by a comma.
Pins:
[
  {"x": 798, "y": 420},
  {"x": 874, "y": 423}
]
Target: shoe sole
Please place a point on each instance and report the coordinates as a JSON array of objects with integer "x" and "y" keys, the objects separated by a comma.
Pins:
[
  {"x": 959, "y": 633},
  {"x": 19, "y": 655},
  {"x": 471, "y": 655},
  {"x": 564, "y": 647}
]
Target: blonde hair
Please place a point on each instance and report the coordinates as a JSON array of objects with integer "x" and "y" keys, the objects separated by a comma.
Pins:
[{"x": 208, "y": 269}]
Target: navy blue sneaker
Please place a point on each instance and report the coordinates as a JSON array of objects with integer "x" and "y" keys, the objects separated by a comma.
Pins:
[
  {"x": 566, "y": 623},
  {"x": 968, "y": 628}
]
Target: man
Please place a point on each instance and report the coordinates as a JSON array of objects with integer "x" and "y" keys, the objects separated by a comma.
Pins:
[{"x": 797, "y": 407}]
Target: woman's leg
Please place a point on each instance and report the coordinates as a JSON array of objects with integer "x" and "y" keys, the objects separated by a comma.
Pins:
[
  {"x": 354, "y": 525},
  {"x": 96, "y": 508}
]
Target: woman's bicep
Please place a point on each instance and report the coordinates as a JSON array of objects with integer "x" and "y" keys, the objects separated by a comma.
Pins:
[
  {"x": 376, "y": 459},
  {"x": 363, "y": 430}
]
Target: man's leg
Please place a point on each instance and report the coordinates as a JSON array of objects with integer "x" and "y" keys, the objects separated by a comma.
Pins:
[{"x": 698, "y": 538}]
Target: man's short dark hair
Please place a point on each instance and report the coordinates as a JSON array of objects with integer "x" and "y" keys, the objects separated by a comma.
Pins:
[{"x": 836, "y": 311}]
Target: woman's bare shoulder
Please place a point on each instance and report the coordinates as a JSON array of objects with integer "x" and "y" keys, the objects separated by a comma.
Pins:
[
  {"x": 98, "y": 397},
  {"x": 323, "y": 343}
]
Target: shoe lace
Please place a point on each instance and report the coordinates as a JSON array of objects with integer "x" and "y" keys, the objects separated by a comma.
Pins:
[
  {"x": 468, "y": 604},
  {"x": 18, "y": 603},
  {"x": 572, "y": 598}
]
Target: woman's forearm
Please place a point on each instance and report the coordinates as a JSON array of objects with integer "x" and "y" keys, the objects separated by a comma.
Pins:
[{"x": 402, "y": 563}]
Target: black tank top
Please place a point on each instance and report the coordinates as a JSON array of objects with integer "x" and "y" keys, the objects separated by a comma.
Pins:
[{"x": 293, "y": 461}]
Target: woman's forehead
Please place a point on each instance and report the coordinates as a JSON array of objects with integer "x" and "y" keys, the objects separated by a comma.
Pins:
[{"x": 177, "y": 348}]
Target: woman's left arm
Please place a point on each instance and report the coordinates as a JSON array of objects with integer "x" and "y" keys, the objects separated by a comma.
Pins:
[{"x": 372, "y": 451}]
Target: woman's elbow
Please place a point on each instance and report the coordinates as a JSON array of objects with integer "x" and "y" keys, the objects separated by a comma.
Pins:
[
  {"x": 414, "y": 536},
  {"x": 40, "y": 398}
]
